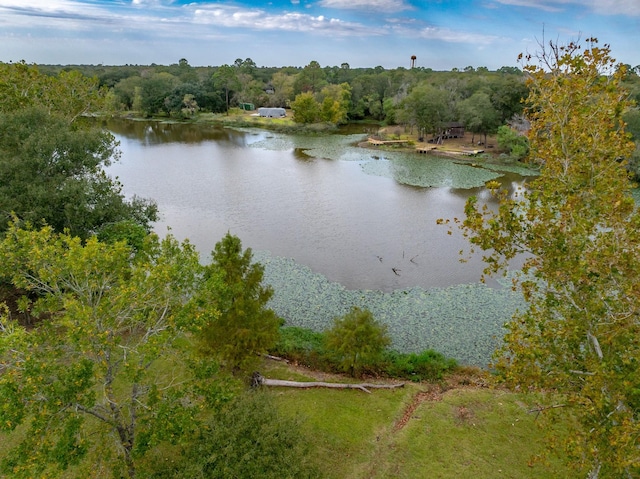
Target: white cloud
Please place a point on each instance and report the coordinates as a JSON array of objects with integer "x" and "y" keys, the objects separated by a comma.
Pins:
[
  {"x": 258, "y": 19},
  {"x": 370, "y": 5},
  {"x": 602, "y": 7},
  {"x": 615, "y": 7},
  {"x": 546, "y": 5},
  {"x": 456, "y": 36}
]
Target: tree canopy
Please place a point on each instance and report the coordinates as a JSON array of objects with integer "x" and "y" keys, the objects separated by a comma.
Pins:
[
  {"x": 89, "y": 378},
  {"x": 579, "y": 231},
  {"x": 243, "y": 326},
  {"x": 52, "y": 160}
]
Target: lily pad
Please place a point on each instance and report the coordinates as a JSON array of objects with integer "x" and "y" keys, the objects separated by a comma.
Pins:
[{"x": 463, "y": 321}]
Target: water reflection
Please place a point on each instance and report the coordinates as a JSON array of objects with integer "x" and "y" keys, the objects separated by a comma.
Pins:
[
  {"x": 157, "y": 133},
  {"x": 363, "y": 231}
]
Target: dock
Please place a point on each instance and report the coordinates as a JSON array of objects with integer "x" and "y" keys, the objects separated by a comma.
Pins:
[
  {"x": 375, "y": 142},
  {"x": 426, "y": 149}
]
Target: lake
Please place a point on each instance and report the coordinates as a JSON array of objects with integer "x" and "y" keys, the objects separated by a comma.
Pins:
[{"x": 321, "y": 210}]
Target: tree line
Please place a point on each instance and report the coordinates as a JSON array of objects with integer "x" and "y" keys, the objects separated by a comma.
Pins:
[{"x": 483, "y": 101}]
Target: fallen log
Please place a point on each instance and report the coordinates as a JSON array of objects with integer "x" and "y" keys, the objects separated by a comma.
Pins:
[{"x": 259, "y": 380}]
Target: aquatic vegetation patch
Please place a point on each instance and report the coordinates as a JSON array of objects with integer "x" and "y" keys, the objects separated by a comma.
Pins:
[
  {"x": 517, "y": 168},
  {"x": 464, "y": 322},
  {"x": 429, "y": 171},
  {"x": 406, "y": 168}
]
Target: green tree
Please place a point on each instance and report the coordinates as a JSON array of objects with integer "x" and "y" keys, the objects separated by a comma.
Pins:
[
  {"x": 154, "y": 92},
  {"x": 68, "y": 94},
  {"x": 51, "y": 172},
  {"x": 282, "y": 84},
  {"x": 579, "y": 229},
  {"x": 510, "y": 140},
  {"x": 356, "y": 340},
  {"x": 427, "y": 108},
  {"x": 226, "y": 77},
  {"x": 335, "y": 102},
  {"x": 244, "y": 327},
  {"x": 100, "y": 369},
  {"x": 305, "y": 108},
  {"x": 310, "y": 79},
  {"x": 632, "y": 120},
  {"x": 250, "y": 438},
  {"x": 478, "y": 114}
]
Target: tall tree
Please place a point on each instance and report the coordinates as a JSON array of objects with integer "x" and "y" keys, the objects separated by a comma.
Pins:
[
  {"x": 579, "y": 229},
  {"x": 51, "y": 160},
  {"x": 226, "y": 77},
  {"x": 310, "y": 79},
  {"x": 244, "y": 327},
  {"x": 305, "y": 108},
  {"x": 68, "y": 94},
  {"x": 427, "y": 108},
  {"x": 100, "y": 369},
  {"x": 478, "y": 114}
]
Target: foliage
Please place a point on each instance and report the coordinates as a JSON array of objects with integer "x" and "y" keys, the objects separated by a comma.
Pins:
[
  {"x": 516, "y": 144},
  {"x": 51, "y": 158},
  {"x": 68, "y": 94},
  {"x": 579, "y": 228},
  {"x": 250, "y": 438},
  {"x": 302, "y": 346},
  {"x": 356, "y": 340},
  {"x": 91, "y": 368},
  {"x": 427, "y": 108},
  {"x": 334, "y": 103},
  {"x": 153, "y": 92},
  {"x": 307, "y": 347},
  {"x": 126, "y": 230},
  {"x": 478, "y": 114},
  {"x": 226, "y": 77},
  {"x": 305, "y": 108},
  {"x": 429, "y": 365},
  {"x": 244, "y": 327},
  {"x": 632, "y": 121},
  {"x": 51, "y": 172}
]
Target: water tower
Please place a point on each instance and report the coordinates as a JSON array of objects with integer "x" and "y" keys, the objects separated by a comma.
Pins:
[{"x": 413, "y": 61}]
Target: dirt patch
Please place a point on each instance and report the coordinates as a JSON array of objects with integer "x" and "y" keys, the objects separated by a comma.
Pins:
[{"x": 419, "y": 398}]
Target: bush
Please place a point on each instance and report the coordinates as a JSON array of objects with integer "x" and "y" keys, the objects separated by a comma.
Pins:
[
  {"x": 356, "y": 341},
  {"x": 250, "y": 438},
  {"x": 428, "y": 365},
  {"x": 510, "y": 140},
  {"x": 302, "y": 346}
]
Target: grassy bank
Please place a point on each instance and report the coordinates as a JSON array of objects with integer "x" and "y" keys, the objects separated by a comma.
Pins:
[{"x": 455, "y": 429}]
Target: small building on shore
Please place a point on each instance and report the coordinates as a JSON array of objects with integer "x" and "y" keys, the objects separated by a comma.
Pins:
[
  {"x": 454, "y": 130},
  {"x": 272, "y": 112}
]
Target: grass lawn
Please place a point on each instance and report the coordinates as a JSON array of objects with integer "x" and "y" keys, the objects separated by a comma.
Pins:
[
  {"x": 451, "y": 430},
  {"x": 419, "y": 431}
]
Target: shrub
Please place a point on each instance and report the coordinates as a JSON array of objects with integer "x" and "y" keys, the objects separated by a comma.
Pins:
[
  {"x": 510, "y": 140},
  {"x": 429, "y": 365},
  {"x": 356, "y": 341},
  {"x": 250, "y": 438},
  {"x": 302, "y": 346}
]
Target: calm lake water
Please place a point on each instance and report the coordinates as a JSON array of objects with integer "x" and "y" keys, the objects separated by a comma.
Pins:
[{"x": 362, "y": 230}]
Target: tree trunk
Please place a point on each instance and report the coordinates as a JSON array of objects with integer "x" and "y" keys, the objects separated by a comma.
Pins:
[{"x": 259, "y": 380}]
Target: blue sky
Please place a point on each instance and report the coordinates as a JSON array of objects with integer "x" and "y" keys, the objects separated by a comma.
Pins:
[{"x": 442, "y": 34}]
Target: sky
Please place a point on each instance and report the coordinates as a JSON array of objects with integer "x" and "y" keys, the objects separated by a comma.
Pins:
[{"x": 441, "y": 34}]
